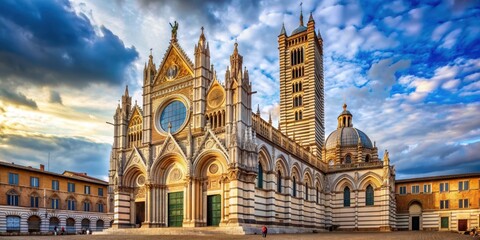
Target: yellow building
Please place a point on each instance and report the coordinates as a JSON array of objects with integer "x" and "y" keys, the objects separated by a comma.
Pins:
[
  {"x": 442, "y": 203},
  {"x": 35, "y": 200}
]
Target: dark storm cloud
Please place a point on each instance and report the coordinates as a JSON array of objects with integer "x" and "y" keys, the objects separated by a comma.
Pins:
[
  {"x": 47, "y": 43},
  {"x": 16, "y": 98},
  {"x": 66, "y": 153},
  {"x": 55, "y": 97}
]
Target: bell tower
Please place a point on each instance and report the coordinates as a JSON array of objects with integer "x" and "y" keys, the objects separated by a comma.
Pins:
[{"x": 301, "y": 85}]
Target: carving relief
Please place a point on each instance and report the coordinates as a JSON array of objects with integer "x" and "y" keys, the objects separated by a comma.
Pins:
[
  {"x": 141, "y": 180},
  {"x": 175, "y": 175},
  {"x": 213, "y": 169},
  {"x": 139, "y": 192}
]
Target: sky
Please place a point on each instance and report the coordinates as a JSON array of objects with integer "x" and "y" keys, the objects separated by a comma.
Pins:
[{"x": 408, "y": 70}]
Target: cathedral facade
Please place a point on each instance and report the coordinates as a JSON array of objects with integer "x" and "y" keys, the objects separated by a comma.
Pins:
[{"x": 195, "y": 154}]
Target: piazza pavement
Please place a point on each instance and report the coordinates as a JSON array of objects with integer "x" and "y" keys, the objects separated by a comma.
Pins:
[{"x": 422, "y": 235}]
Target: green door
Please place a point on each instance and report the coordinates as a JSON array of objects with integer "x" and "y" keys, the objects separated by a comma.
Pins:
[
  {"x": 214, "y": 206},
  {"x": 175, "y": 209}
]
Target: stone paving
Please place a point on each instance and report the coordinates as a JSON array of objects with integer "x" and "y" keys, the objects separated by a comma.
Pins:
[{"x": 318, "y": 236}]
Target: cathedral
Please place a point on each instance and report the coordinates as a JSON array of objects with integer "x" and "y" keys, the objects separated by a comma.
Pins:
[{"x": 195, "y": 154}]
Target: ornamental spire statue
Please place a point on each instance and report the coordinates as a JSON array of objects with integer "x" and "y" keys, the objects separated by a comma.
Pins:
[{"x": 174, "y": 30}]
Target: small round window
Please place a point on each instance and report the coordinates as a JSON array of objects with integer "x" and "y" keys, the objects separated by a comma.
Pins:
[{"x": 174, "y": 115}]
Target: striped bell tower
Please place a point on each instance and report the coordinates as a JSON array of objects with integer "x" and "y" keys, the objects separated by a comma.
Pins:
[{"x": 302, "y": 85}]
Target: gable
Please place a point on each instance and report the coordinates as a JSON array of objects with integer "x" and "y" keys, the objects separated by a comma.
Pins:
[{"x": 175, "y": 65}]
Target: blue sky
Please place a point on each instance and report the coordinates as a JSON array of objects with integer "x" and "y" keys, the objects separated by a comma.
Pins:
[{"x": 408, "y": 70}]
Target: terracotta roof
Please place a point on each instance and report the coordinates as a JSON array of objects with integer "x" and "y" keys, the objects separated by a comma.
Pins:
[
  {"x": 71, "y": 175},
  {"x": 433, "y": 178}
]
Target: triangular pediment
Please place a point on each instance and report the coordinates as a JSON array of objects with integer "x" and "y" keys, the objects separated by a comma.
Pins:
[
  {"x": 175, "y": 65},
  {"x": 170, "y": 145},
  {"x": 216, "y": 96},
  {"x": 135, "y": 114},
  {"x": 135, "y": 158},
  {"x": 211, "y": 141}
]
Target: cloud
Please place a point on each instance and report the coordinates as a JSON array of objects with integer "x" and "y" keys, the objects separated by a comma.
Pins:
[
  {"x": 66, "y": 153},
  {"x": 48, "y": 44},
  {"x": 55, "y": 97},
  {"x": 17, "y": 98}
]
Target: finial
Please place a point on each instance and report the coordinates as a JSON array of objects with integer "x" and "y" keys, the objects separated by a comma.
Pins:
[
  {"x": 202, "y": 29},
  {"x": 344, "y": 106},
  {"x": 283, "y": 32},
  {"x": 270, "y": 118},
  {"x": 151, "y": 51},
  {"x": 135, "y": 102},
  {"x": 174, "y": 30},
  {"x": 311, "y": 17},
  {"x": 301, "y": 14},
  {"x": 258, "y": 109},
  {"x": 235, "y": 50},
  {"x": 126, "y": 90}
]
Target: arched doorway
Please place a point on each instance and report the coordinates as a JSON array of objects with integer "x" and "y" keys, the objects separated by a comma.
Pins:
[
  {"x": 85, "y": 224},
  {"x": 54, "y": 222},
  {"x": 70, "y": 225},
  {"x": 415, "y": 212},
  {"x": 211, "y": 169},
  {"x": 100, "y": 225},
  {"x": 34, "y": 223},
  {"x": 135, "y": 179}
]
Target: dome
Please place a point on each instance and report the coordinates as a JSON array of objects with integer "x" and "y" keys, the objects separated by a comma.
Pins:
[
  {"x": 299, "y": 29},
  {"x": 348, "y": 137}
]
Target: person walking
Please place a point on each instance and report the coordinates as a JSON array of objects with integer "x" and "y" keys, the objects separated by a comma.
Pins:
[{"x": 264, "y": 231}]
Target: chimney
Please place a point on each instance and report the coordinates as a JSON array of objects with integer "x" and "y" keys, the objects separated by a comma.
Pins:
[{"x": 42, "y": 167}]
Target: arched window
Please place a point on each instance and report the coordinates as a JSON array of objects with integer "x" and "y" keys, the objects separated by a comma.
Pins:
[
  {"x": 260, "y": 176},
  {"x": 367, "y": 158},
  {"x": 369, "y": 196},
  {"x": 294, "y": 187},
  {"x": 346, "y": 197},
  {"x": 348, "y": 159},
  {"x": 300, "y": 115},
  {"x": 34, "y": 200},
  {"x": 55, "y": 202},
  {"x": 12, "y": 198},
  {"x": 86, "y": 206},
  {"x": 71, "y": 204},
  {"x": 100, "y": 206},
  {"x": 296, "y": 116},
  {"x": 279, "y": 182},
  {"x": 306, "y": 191}
]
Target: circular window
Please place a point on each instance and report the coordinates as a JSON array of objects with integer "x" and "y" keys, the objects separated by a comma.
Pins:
[{"x": 173, "y": 115}]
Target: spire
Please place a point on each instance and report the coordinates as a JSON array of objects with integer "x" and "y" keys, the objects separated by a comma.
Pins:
[
  {"x": 283, "y": 32},
  {"x": 301, "y": 14},
  {"x": 236, "y": 61},
  {"x": 311, "y": 17},
  {"x": 235, "y": 50},
  {"x": 126, "y": 91},
  {"x": 258, "y": 109},
  {"x": 319, "y": 35},
  {"x": 202, "y": 39},
  {"x": 270, "y": 118},
  {"x": 150, "y": 58}
]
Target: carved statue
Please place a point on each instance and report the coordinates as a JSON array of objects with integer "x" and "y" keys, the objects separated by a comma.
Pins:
[{"x": 174, "y": 29}]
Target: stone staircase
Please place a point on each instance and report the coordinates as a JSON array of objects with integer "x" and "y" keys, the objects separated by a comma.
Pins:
[{"x": 173, "y": 231}]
